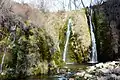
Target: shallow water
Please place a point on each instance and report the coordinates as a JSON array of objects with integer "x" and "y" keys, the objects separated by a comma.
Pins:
[
  {"x": 45, "y": 77},
  {"x": 73, "y": 68},
  {"x": 76, "y": 66}
]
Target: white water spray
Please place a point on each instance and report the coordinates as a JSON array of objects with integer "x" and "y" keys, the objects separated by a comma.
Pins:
[
  {"x": 93, "y": 58},
  {"x": 67, "y": 39}
]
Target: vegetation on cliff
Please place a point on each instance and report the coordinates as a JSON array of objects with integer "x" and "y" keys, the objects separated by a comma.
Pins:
[{"x": 32, "y": 48}]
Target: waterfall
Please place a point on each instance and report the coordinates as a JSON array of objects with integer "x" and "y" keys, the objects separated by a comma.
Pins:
[
  {"x": 5, "y": 50},
  {"x": 3, "y": 57},
  {"x": 67, "y": 39},
  {"x": 93, "y": 58}
]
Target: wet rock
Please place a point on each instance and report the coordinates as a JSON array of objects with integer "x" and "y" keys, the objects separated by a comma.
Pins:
[
  {"x": 101, "y": 78},
  {"x": 87, "y": 76},
  {"x": 80, "y": 73},
  {"x": 62, "y": 71},
  {"x": 104, "y": 71},
  {"x": 116, "y": 71},
  {"x": 71, "y": 79},
  {"x": 113, "y": 76},
  {"x": 106, "y": 65},
  {"x": 118, "y": 78},
  {"x": 69, "y": 74},
  {"x": 100, "y": 65},
  {"x": 90, "y": 69}
]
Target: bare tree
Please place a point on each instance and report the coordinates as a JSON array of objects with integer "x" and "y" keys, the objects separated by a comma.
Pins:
[
  {"x": 63, "y": 5},
  {"x": 99, "y": 2},
  {"x": 55, "y": 4},
  {"x": 41, "y": 5},
  {"x": 69, "y": 5},
  {"x": 83, "y": 3},
  {"x": 75, "y": 4}
]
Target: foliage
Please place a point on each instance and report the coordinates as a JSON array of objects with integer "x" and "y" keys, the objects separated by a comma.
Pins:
[
  {"x": 76, "y": 50},
  {"x": 103, "y": 37},
  {"x": 79, "y": 54},
  {"x": 62, "y": 36},
  {"x": 31, "y": 47}
]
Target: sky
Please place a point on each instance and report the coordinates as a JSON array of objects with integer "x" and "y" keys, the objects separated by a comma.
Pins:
[{"x": 55, "y": 5}]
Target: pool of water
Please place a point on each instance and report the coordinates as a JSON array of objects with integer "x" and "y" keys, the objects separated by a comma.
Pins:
[
  {"x": 73, "y": 68},
  {"x": 76, "y": 66},
  {"x": 45, "y": 77}
]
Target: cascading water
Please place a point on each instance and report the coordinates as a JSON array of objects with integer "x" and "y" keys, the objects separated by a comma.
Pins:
[
  {"x": 1, "y": 65},
  {"x": 93, "y": 58},
  {"x": 3, "y": 57},
  {"x": 67, "y": 39}
]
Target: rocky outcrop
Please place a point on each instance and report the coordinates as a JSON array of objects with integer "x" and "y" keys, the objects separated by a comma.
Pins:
[{"x": 101, "y": 71}]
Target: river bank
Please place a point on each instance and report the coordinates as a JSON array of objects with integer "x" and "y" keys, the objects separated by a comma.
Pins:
[{"x": 101, "y": 71}]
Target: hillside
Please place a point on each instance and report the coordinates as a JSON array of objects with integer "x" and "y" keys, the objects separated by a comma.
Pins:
[{"x": 36, "y": 39}]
